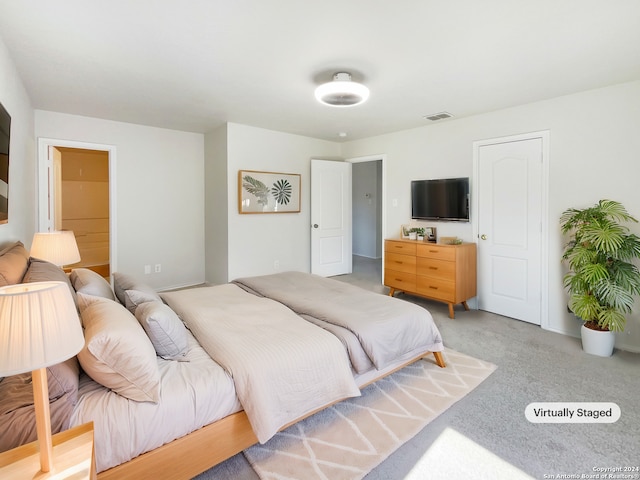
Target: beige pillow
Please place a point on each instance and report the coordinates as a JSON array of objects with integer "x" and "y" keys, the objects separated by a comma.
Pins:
[
  {"x": 164, "y": 328},
  {"x": 14, "y": 261},
  {"x": 117, "y": 352},
  {"x": 89, "y": 282}
]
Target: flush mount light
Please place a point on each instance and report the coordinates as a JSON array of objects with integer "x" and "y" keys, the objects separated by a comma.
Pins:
[{"x": 342, "y": 91}]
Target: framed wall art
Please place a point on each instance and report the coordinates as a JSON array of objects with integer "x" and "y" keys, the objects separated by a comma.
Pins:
[
  {"x": 268, "y": 192},
  {"x": 5, "y": 136}
]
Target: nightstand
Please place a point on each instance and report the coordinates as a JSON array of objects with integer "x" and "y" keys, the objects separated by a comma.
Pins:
[{"x": 73, "y": 457}]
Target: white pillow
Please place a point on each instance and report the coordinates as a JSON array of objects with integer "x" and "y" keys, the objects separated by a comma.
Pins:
[
  {"x": 89, "y": 282},
  {"x": 134, "y": 298},
  {"x": 117, "y": 352},
  {"x": 164, "y": 328}
]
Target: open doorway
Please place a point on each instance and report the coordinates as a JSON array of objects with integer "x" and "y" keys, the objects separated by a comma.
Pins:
[
  {"x": 77, "y": 189},
  {"x": 367, "y": 215}
]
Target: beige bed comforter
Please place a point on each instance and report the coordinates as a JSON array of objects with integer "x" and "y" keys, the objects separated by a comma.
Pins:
[
  {"x": 386, "y": 327},
  {"x": 283, "y": 367}
]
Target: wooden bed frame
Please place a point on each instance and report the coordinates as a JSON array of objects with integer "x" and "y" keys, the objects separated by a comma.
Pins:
[{"x": 188, "y": 456}]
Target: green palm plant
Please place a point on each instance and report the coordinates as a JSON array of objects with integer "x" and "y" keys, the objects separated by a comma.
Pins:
[{"x": 602, "y": 279}]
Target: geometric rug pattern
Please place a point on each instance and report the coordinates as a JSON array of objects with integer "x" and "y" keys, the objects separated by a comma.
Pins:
[{"x": 347, "y": 440}]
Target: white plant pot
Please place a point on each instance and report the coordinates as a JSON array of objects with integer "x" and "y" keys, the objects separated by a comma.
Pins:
[{"x": 597, "y": 343}]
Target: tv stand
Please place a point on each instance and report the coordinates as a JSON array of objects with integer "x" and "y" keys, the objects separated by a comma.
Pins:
[{"x": 446, "y": 273}]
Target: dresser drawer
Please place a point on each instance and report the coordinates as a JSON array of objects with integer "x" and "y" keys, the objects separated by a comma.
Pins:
[
  {"x": 404, "y": 248},
  {"x": 436, "y": 251},
  {"x": 400, "y": 263},
  {"x": 436, "y": 288},
  {"x": 400, "y": 280},
  {"x": 436, "y": 268}
]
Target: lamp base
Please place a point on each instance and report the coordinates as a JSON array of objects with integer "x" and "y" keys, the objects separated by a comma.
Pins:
[{"x": 43, "y": 418}]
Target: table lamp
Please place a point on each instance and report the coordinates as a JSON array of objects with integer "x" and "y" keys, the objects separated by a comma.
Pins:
[
  {"x": 39, "y": 327},
  {"x": 58, "y": 247}
]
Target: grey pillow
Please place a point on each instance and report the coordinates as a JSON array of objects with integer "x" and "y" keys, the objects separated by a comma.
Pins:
[
  {"x": 135, "y": 298},
  {"x": 131, "y": 292},
  {"x": 43, "y": 271},
  {"x": 164, "y": 328},
  {"x": 91, "y": 283},
  {"x": 17, "y": 419},
  {"x": 121, "y": 283},
  {"x": 14, "y": 261}
]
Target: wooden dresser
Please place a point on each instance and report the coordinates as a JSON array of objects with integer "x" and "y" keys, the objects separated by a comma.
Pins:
[{"x": 440, "y": 272}]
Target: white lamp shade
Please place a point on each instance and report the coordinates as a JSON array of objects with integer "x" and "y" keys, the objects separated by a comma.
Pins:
[
  {"x": 59, "y": 247},
  {"x": 39, "y": 326}
]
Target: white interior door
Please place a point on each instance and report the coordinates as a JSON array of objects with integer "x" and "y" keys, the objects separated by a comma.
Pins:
[
  {"x": 330, "y": 218},
  {"x": 510, "y": 228}
]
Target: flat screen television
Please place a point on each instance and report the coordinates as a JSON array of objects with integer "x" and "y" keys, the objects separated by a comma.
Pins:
[
  {"x": 5, "y": 136},
  {"x": 440, "y": 199}
]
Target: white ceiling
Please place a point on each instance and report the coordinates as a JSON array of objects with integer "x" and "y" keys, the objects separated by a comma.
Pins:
[{"x": 195, "y": 64}]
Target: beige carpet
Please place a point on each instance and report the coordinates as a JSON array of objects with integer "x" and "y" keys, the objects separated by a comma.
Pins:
[{"x": 348, "y": 440}]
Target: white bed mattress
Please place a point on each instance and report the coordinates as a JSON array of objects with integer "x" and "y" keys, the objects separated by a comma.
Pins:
[{"x": 194, "y": 393}]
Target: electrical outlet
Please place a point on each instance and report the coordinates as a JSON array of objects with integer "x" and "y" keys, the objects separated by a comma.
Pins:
[
  {"x": 276, "y": 264},
  {"x": 158, "y": 268},
  {"x": 147, "y": 269}
]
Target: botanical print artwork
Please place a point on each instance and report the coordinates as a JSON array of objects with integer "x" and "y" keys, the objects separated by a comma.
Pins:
[
  {"x": 267, "y": 192},
  {"x": 256, "y": 188},
  {"x": 281, "y": 190}
]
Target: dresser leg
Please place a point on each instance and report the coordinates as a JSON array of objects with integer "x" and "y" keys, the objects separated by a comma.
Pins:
[
  {"x": 451, "y": 314},
  {"x": 466, "y": 307},
  {"x": 391, "y": 291}
]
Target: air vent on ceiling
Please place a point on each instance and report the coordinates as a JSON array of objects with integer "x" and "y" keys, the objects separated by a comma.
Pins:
[{"x": 438, "y": 116}]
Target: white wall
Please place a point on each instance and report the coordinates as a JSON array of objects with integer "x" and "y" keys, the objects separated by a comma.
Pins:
[
  {"x": 256, "y": 241},
  {"x": 216, "y": 208},
  {"x": 22, "y": 167},
  {"x": 160, "y": 194},
  {"x": 594, "y": 154}
]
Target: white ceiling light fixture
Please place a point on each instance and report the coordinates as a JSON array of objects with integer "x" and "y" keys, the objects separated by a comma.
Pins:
[{"x": 342, "y": 91}]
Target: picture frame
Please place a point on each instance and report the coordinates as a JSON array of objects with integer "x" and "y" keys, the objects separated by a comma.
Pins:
[
  {"x": 5, "y": 136},
  {"x": 268, "y": 192},
  {"x": 404, "y": 230}
]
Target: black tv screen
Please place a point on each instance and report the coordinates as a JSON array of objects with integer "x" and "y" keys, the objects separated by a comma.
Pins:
[
  {"x": 5, "y": 136},
  {"x": 440, "y": 199}
]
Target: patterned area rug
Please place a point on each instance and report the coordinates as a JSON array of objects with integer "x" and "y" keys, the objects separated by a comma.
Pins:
[{"x": 346, "y": 441}]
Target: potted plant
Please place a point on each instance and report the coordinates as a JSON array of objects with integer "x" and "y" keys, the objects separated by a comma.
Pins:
[
  {"x": 602, "y": 279},
  {"x": 419, "y": 232}
]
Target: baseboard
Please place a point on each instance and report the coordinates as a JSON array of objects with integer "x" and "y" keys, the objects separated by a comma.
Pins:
[{"x": 619, "y": 345}]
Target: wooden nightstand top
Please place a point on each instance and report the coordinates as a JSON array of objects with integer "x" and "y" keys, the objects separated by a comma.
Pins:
[{"x": 73, "y": 457}]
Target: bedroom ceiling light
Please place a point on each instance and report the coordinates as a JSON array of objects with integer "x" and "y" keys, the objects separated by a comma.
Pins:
[{"x": 342, "y": 91}]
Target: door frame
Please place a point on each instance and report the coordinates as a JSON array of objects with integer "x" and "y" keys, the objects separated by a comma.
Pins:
[
  {"x": 45, "y": 182},
  {"x": 383, "y": 193},
  {"x": 544, "y": 227}
]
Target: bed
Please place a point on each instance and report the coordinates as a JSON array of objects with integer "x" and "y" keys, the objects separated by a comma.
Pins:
[{"x": 180, "y": 400}]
